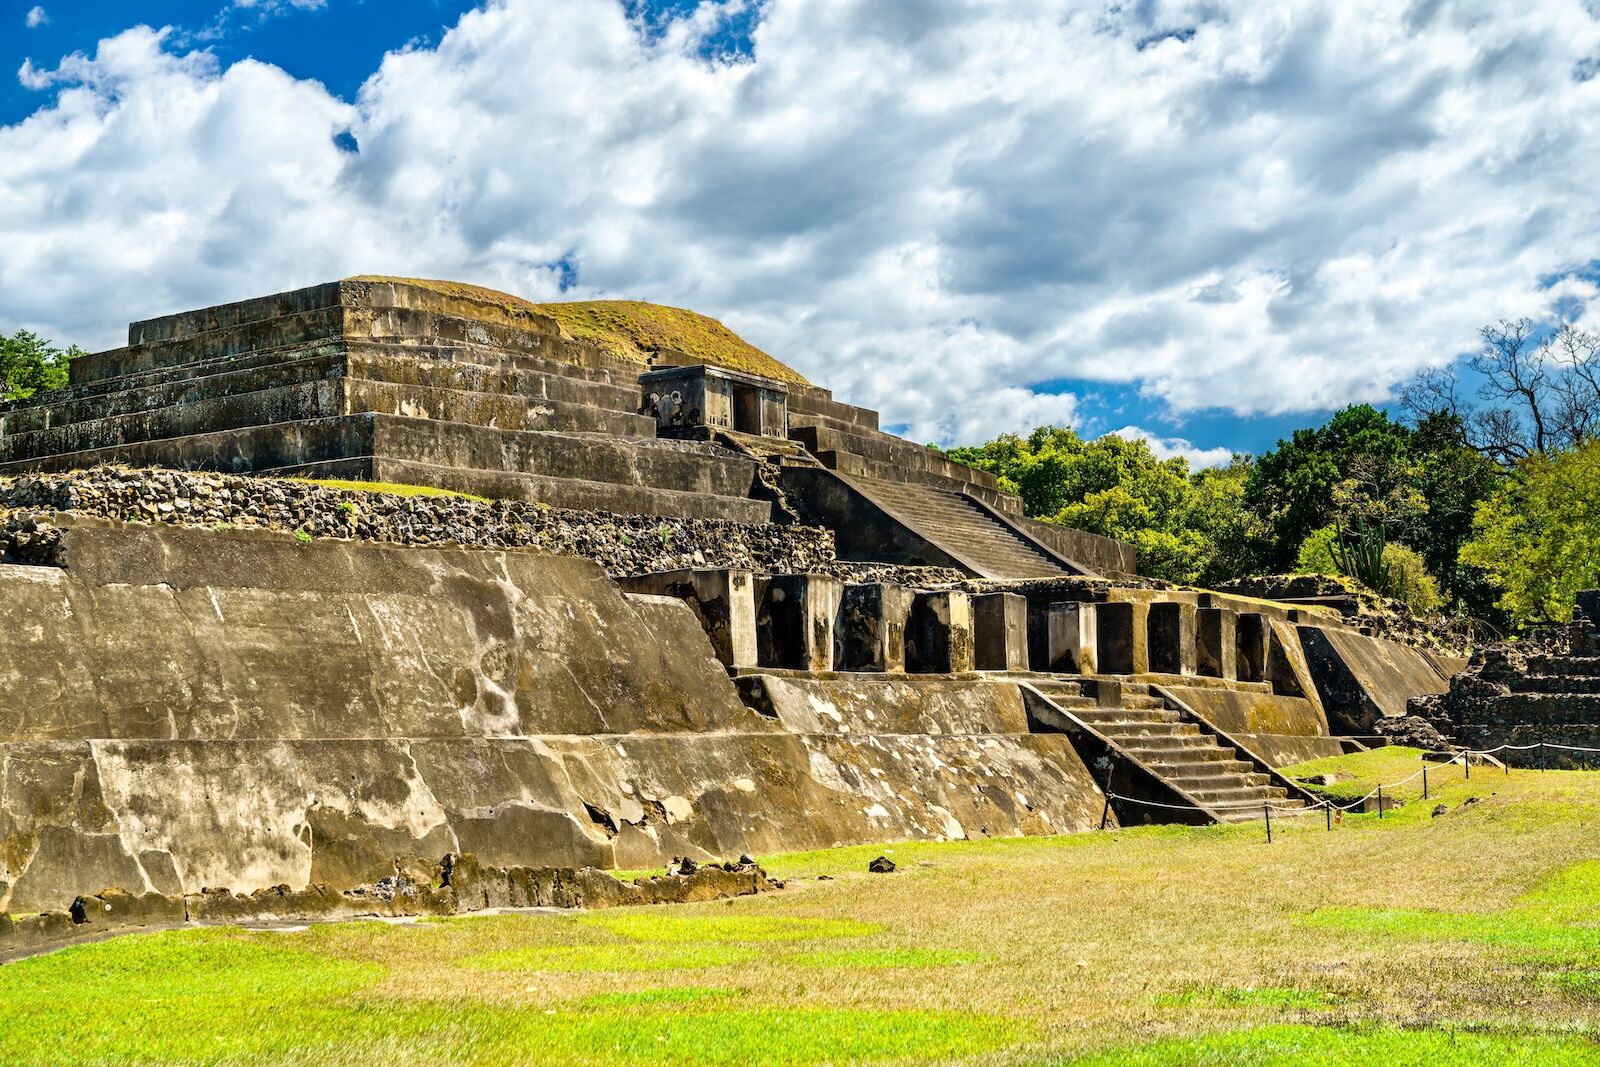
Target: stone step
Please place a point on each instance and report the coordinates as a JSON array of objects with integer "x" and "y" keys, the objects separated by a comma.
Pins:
[
  {"x": 810, "y": 400},
  {"x": 318, "y": 398},
  {"x": 613, "y": 373},
  {"x": 75, "y": 404},
  {"x": 1191, "y": 782},
  {"x": 1049, "y": 685},
  {"x": 1196, "y": 761},
  {"x": 1130, "y": 715},
  {"x": 684, "y": 466},
  {"x": 234, "y": 314},
  {"x": 314, "y": 399},
  {"x": 1255, "y": 814},
  {"x": 345, "y": 446},
  {"x": 303, "y": 328},
  {"x": 500, "y": 410},
  {"x": 1565, "y": 665},
  {"x": 423, "y": 329},
  {"x": 1537, "y": 708},
  {"x": 1173, "y": 746},
  {"x": 1132, "y": 732},
  {"x": 1227, "y": 791},
  {"x": 535, "y": 378},
  {"x": 1555, "y": 683}
]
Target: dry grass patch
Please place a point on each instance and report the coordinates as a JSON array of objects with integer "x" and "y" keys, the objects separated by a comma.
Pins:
[{"x": 1471, "y": 937}]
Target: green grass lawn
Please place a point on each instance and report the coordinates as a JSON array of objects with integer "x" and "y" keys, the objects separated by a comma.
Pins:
[{"x": 1472, "y": 937}]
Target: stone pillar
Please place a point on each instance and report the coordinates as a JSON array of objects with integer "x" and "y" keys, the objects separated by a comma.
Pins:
[
  {"x": 1253, "y": 634},
  {"x": 723, "y": 600},
  {"x": 1217, "y": 643},
  {"x": 1283, "y": 653},
  {"x": 1000, "y": 632},
  {"x": 1120, "y": 638},
  {"x": 1061, "y": 638},
  {"x": 939, "y": 635},
  {"x": 871, "y": 630},
  {"x": 794, "y": 621},
  {"x": 1171, "y": 630}
]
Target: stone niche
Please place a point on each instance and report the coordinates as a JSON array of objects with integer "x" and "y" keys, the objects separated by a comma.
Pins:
[{"x": 689, "y": 399}]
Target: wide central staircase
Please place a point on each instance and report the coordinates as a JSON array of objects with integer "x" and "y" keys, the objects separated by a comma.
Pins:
[
  {"x": 1204, "y": 772},
  {"x": 963, "y": 528}
]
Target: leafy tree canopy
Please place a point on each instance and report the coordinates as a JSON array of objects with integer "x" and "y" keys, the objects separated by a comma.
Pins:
[
  {"x": 1537, "y": 538},
  {"x": 1187, "y": 528},
  {"x": 29, "y": 363}
]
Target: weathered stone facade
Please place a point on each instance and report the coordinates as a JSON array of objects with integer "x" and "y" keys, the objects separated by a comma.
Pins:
[{"x": 702, "y": 614}]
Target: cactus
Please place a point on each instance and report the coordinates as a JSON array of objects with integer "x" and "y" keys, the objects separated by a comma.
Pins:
[{"x": 1360, "y": 555}]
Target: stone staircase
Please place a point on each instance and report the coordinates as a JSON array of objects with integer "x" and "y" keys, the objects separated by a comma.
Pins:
[
  {"x": 1127, "y": 714},
  {"x": 961, "y": 528}
]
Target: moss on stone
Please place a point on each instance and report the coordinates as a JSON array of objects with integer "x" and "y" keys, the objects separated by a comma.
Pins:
[{"x": 628, "y": 329}]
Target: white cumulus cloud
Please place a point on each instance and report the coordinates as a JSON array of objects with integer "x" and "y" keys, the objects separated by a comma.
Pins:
[
  {"x": 35, "y": 18},
  {"x": 1169, "y": 447},
  {"x": 942, "y": 210}
]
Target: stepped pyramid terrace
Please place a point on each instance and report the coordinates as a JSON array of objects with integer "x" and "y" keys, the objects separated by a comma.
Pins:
[{"x": 300, "y": 589}]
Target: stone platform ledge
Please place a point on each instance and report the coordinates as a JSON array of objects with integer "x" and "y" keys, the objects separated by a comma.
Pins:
[{"x": 458, "y": 885}]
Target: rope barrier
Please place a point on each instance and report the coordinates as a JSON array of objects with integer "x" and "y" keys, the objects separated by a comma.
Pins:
[{"x": 1461, "y": 756}]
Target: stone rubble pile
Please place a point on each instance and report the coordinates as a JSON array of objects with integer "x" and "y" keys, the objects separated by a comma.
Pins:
[{"x": 622, "y": 544}]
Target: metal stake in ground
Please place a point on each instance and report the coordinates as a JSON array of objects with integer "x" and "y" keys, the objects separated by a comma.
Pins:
[
  {"x": 1424, "y": 783},
  {"x": 1327, "y": 814},
  {"x": 1267, "y": 809},
  {"x": 1380, "y": 802}
]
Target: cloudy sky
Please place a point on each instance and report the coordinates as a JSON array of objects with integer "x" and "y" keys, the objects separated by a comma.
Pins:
[{"x": 1208, "y": 221}]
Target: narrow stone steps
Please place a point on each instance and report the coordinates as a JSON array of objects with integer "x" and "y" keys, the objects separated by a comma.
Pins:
[
  {"x": 955, "y": 524},
  {"x": 1555, "y": 683},
  {"x": 1112, "y": 717},
  {"x": 1565, "y": 666},
  {"x": 1205, "y": 781},
  {"x": 1194, "y": 762}
]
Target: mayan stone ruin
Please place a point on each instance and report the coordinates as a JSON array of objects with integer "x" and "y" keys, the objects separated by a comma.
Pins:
[{"x": 671, "y": 607}]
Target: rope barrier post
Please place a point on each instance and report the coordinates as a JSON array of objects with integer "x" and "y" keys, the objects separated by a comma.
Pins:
[
  {"x": 1505, "y": 761},
  {"x": 1424, "y": 783},
  {"x": 1466, "y": 764},
  {"x": 1541, "y": 755},
  {"x": 1268, "y": 809},
  {"x": 1327, "y": 814},
  {"x": 1111, "y": 776},
  {"x": 1380, "y": 802}
]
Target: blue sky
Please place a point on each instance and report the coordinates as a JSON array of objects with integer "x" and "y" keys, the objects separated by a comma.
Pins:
[
  {"x": 338, "y": 44},
  {"x": 1205, "y": 222}
]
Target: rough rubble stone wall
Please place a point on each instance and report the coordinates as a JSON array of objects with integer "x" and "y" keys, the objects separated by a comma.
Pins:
[
  {"x": 622, "y": 544},
  {"x": 1542, "y": 689}
]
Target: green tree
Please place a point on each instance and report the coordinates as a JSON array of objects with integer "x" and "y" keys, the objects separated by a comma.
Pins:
[
  {"x": 1186, "y": 528},
  {"x": 1537, "y": 538},
  {"x": 1292, "y": 488},
  {"x": 29, "y": 363}
]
